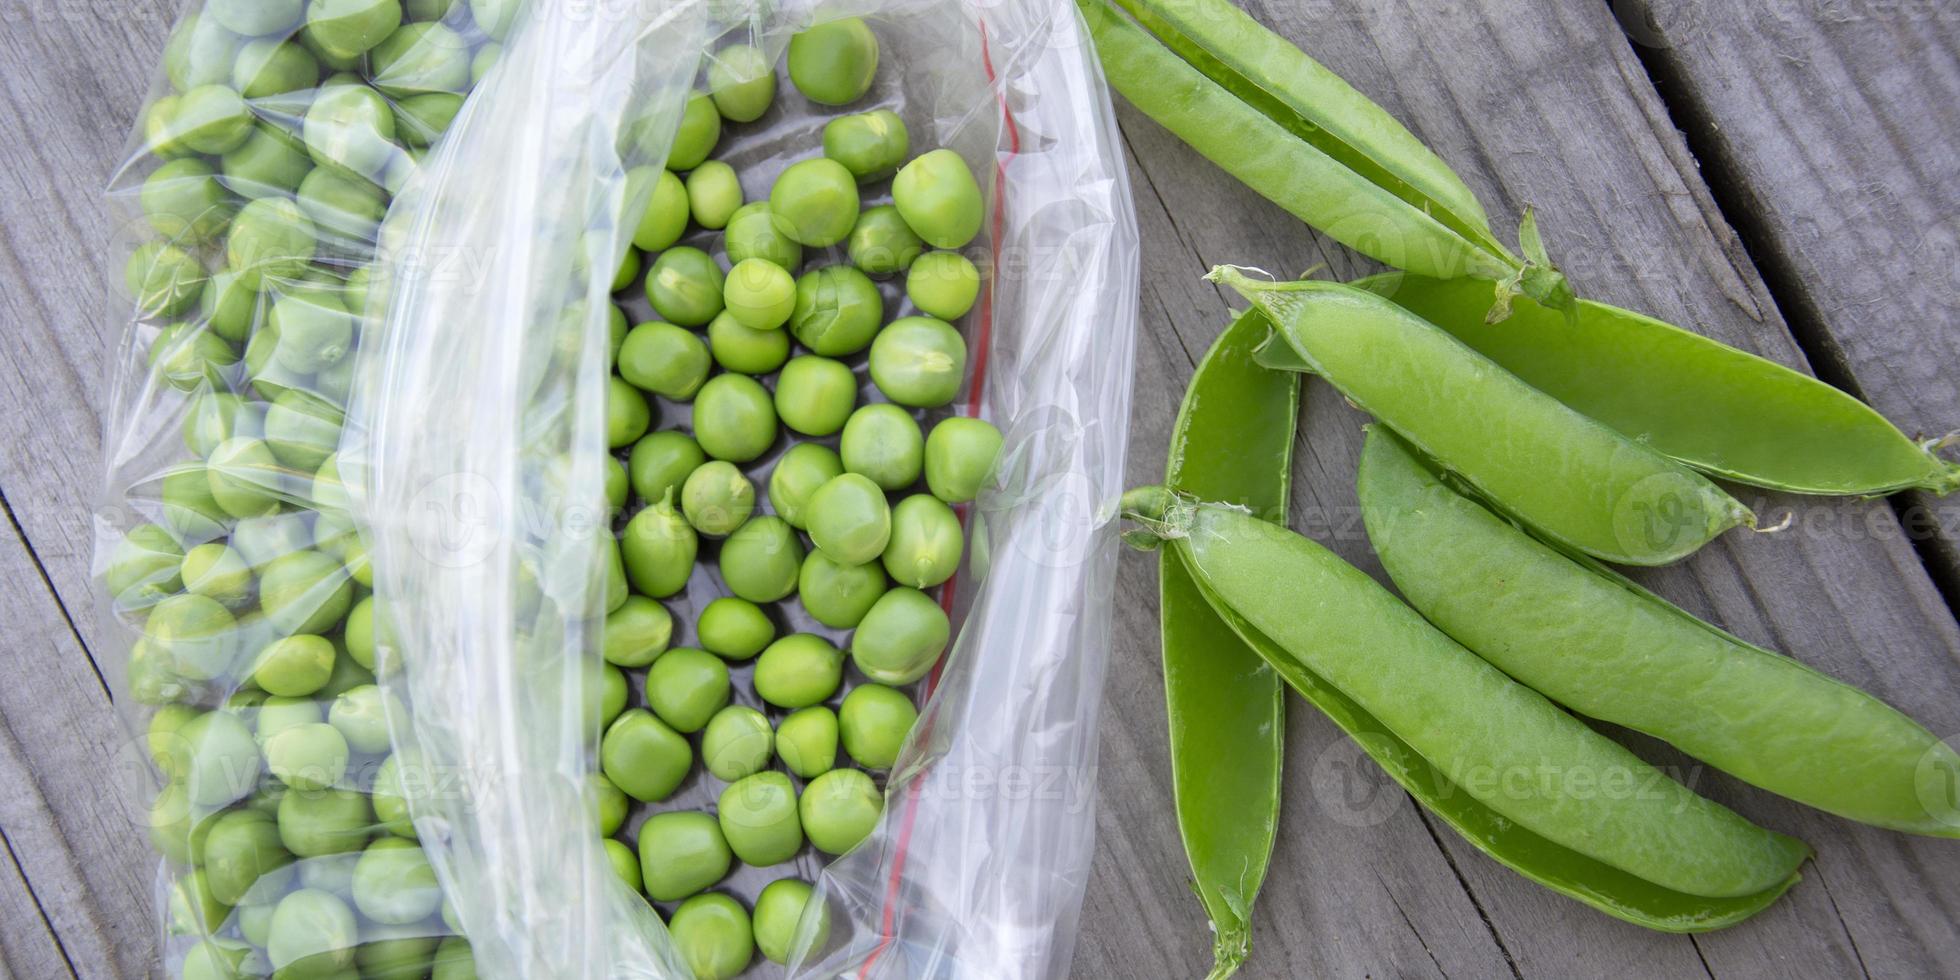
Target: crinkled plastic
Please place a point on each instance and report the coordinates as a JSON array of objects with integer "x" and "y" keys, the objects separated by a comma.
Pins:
[{"x": 473, "y": 386}]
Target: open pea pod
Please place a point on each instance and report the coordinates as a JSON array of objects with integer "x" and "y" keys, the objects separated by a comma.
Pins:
[
  {"x": 1233, "y": 441},
  {"x": 1718, "y": 409},
  {"x": 1606, "y": 648},
  {"x": 1523, "y": 781},
  {"x": 1303, "y": 138},
  {"x": 1575, "y": 480}
]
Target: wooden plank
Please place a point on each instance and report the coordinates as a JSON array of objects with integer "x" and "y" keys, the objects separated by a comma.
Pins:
[
  {"x": 75, "y": 810},
  {"x": 1828, "y": 138},
  {"x": 1546, "y": 103},
  {"x": 28, "y": 945}
]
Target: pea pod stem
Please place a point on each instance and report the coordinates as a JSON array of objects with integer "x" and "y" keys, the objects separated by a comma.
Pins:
[
  {"x": 1720, "y": 410},
  {"x": 1575, "y": 480},
  {"x": 1233, "y": 439},
  {"x": 1303, "y": 138},
  {"x": 1430, "y": 712},
  {"x": 1606, "y": 648}
]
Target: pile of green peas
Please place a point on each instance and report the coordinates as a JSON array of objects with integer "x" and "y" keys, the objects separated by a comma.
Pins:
[
  {"x": 788, "y": 468},
  {"x": 268, "y": 163}
]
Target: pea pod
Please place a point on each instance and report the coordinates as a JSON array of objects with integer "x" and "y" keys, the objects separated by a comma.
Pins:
[
  {"x": 1718, "y": 409},
  {"x": 1520, "y": 779},
  {"x": 1302, "y": 137},
  {"x": 1606, "y": 648},
  {"x": 1233, "y": 441},
  {"x": 1578, "y": 482}
]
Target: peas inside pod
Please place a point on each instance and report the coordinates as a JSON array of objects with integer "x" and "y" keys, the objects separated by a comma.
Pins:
[{"x": 791, "y": 453}]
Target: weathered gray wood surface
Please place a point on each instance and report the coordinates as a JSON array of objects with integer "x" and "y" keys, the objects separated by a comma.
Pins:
[{"x": 1534, "y": 102}]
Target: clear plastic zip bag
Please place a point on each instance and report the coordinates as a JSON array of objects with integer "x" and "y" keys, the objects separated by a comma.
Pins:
[{"x": 455, "y": 503}]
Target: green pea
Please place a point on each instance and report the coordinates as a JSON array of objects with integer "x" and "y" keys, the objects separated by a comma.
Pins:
[
  {"x": 839, "y": 809},
  {"x": 351, "y": 27},
  {"x": 616, "y": 482},
  {"x": 737, "y": 743},
  {"x": 806, "y": 741},
  {"x": 610, "y": 802},
  {"x": 191, "y": 358},
  {"x": 278, "y": 713},
  {"x": 352, "y": 128},
  {"x": 759, "y": 561},
  {"x": 394, "y": 884},
  {"x": 331, "y": 873},
  {"x": 849, "y": 519},
  {"x": 454, "y": 960},
  {"x": 627, "y": 413},
  {"x": 665, "y": 360},
  {"x": 943, "y": 284},
  {"x": 242, "y": 478},
  {"x": 273, "y": 66},
  {"x": 838, "y": 311},
  {"x": 833, "y": 63},
  {"x": 270, "y": 162},
  {"x": 213, "y": 119},
  {"x": 660, "y": 463},
  {"x": 734, "y": 418},
  {"x": 243, "y": 857},
  {"x": 419, "y": 60},
  {"x": 919, "y": 361},
  {"x": 616, "y": 581},
  {"x": 495, "y": 17},
  {"x": 193, "y": 631},
  {"x": 184, "y": 200},
  {"x": 173, "y": 833},
  {"x": 145, "y": 568},
  {"x": 162, "y": 739},
  {"x": 815, "y": 395},
  {"x": 224, "y": 959},
  {"x": 758, "y": 818},
  {"x": 742, "y": 82},
  {"x": 797, "y": 475},
  {"x": 839, "y": 595},
  {"x": 745, "y": 350},
  {"x": 624, "y": 862},
  {"x": 422, "y": 119},
  {"x": 901, "y": 638},
  {"x": 658, "y": 548},
  {"x": 269, "y": 237},
  {"x": 302, "y": 429},
  {"x": 959, "y": 457},
  {"x": 193, "y": 910},
  {"x": 347, "y": 208},
  {"x": 686, "y": 687},
  {"x": 316, "y": 823},
  {"x": 700, "y": 129},
  {"x": 799, "y": 670},
  {"x": 163, "y": 279},
  {"x": 870, "y": 145},
  {"x": 714, "y": 193},
  {"x": 883, "y": 443},
  {"x": 160, "y": 129},
  {"x": 215, "y": 416},
  {"x": 874, "y": 720},
  {"x": 401, "y": 777},
  {"x": 759, "y": 294},
  {"x": 486, "y": 59},
  {"x": 681, "y": 853},
  {"x": 347, "y": 675},
  {"x": 613, "y": 692},
  {"x": 260, "y": 540},
  {"x": 645, "y": 758},
  {"x": 314, "y": 331},
  {"x": 200, "y": 50},
  {"x": 665, "y": 218},
  {"x": 817, "y": 201},
  {"x": 881, "y": 243},
  {"x": 939, "y": 198},
  {"x": 361, "y": 713},
  {"x": 313, "y": 934},
  {"x": 734, "y": 629},
  {"x": 395, "y": 953},
  {"x": 717, "y": 498},
  {"x": 712, "y": 935},
  {"x": 756, "y": 232},
  {"x": 305, "y": 592},
  {"x": 926, "y": 542},
  {"x": 778, "y": 913},
  {"x": 685, "y": 286},
  {"x": 294, "y": 666},
  {"x": 637, "y": 632},
  {"x": 426, "y": 10}
]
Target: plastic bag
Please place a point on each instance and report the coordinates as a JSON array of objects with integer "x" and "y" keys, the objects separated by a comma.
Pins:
[{"x": 474, "y": 411}]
